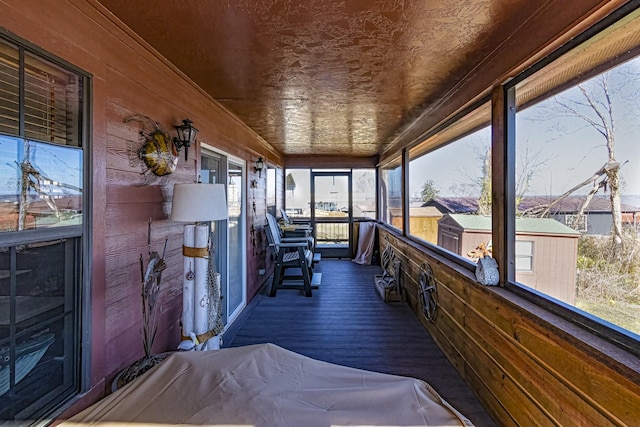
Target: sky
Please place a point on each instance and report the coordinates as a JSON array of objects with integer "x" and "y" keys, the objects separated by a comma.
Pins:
[
  {"x": 56, "y": 162},
  {"x": 332, "y": 189},
  {"x": 565, "y": 149}
]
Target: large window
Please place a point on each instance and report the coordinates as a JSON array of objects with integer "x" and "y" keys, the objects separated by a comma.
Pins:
[
  {"x": 297, "y": 196},
  {"x": 390, "y": 192},
  {"x": 41, "y": 231},
  {"x": 272, "y": 186},
  {"x": 297, "y": 185},
  {"x": 578, "y": 176},
  {"x": 568, "y": 235},
  {"x": 449, "y": 176},
  {"x": 364, "y": 193}
]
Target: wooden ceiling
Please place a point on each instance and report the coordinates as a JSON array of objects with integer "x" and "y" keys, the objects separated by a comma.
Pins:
[{"x": 350, "y": 78}]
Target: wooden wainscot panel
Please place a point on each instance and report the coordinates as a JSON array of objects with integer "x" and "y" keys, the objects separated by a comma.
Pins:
[
  {"x": 527, "y": 366},
  {"x": 488, "y": 399},
  {"x": 451, "y": 304},
  {"x": 540, "y": 387},
  {"x": 497, "y": 389},
  {"x": 450, "y": 317},
  {"x": 607, "y": 385},
  {"x": 493, "y": 385},
  {"x": 449, "y": 339},
  {"x": 410, "y": 283}
]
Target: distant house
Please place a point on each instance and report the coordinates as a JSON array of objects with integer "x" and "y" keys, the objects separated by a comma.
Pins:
[
  {"x": 455, "y": 205},
  {"x": 596, "y": 219},
  {"x": 546, "y": 250}
]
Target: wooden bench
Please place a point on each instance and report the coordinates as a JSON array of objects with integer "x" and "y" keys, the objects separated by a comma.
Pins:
[{"x": 388, "y": 283}]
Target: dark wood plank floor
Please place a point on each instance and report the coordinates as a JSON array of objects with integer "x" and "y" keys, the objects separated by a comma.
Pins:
[{"x": 346, "y": 322}]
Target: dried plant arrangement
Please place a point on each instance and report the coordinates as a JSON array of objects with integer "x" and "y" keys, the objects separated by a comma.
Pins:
[{"x": 150, "y": 289}]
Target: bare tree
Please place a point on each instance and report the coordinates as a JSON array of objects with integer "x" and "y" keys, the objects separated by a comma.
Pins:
[
  {"x": 594, "y": 107},
  {"x": 484, "y": 201},
  {"x": 529, "y": 165}
]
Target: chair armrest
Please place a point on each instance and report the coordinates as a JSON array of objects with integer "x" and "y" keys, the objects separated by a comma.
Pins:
[
  {"x": 294, "y": 239},
  {"x": 294, "y": 228},
  {"x": 294, "y": 245}
]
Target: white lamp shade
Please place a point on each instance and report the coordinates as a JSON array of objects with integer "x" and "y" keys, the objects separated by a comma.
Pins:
[{"x": 198, "y": 203}]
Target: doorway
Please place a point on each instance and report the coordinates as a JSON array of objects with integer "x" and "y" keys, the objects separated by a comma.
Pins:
[{"x": 331, "y": 212}]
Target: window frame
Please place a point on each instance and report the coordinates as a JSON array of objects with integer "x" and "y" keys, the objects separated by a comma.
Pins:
[
  {"x": 271, "y": 188},
  {"x": 470, "y": 111},
  {"x": 383, "y": 214},
  {"x": 284, "y": 188},
  {"x": 404, "y": 158},
  {"x": 505, "y": 106},
  {"x": 83, "y": 325}
]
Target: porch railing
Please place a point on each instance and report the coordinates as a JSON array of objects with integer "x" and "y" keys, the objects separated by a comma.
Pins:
[{"x": 332, "y": 232}]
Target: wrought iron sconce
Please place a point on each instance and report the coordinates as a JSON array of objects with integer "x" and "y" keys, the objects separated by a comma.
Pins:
[
  {"x": 259, "y": 166},
  {"x": 186, "y": 136}
]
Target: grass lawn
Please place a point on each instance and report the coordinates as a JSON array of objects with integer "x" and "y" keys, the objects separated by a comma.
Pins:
[{"x": 625, "y": 315}]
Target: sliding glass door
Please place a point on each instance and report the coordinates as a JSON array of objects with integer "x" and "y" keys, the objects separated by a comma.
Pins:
[
  {"x": 236, "y": 290},
  {"x": 228, "y": 236}
]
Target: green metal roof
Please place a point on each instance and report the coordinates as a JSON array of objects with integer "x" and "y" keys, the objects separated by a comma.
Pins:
[{"x": 523, "y": 225}]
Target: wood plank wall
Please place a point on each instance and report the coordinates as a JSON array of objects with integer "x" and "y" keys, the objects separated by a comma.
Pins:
[
  {"x": 129, "y": 77},
  {"x": 526, "y": 366}
]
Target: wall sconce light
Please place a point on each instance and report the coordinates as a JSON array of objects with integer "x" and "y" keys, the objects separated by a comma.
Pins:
[
  {"x": 259, "y": 166},
  {"x": 186, "y": 136}
]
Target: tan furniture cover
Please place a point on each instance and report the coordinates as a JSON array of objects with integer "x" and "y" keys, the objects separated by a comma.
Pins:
[
  {"x": 366, "y": 240},
  {"x": 265, "y": 385}
]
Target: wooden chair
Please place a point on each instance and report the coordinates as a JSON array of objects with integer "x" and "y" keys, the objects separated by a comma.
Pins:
[
  {"x": 294, "y": 237},
  {"x": 294, "y": 228},
  {"x": 290, "y": 255},
  {"x": 289, "y": 221},
  {"x": 290, "y": 237}
]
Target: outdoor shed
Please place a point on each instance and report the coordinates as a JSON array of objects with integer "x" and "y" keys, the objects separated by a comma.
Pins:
[
  {"x": 546, "y": 250},
  {"x": 423, "y": 222}
]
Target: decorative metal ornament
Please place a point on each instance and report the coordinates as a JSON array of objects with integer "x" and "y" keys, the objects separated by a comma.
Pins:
[
  {"x": 156, "y": 151},
  {"x": 428, "y": 292}
]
